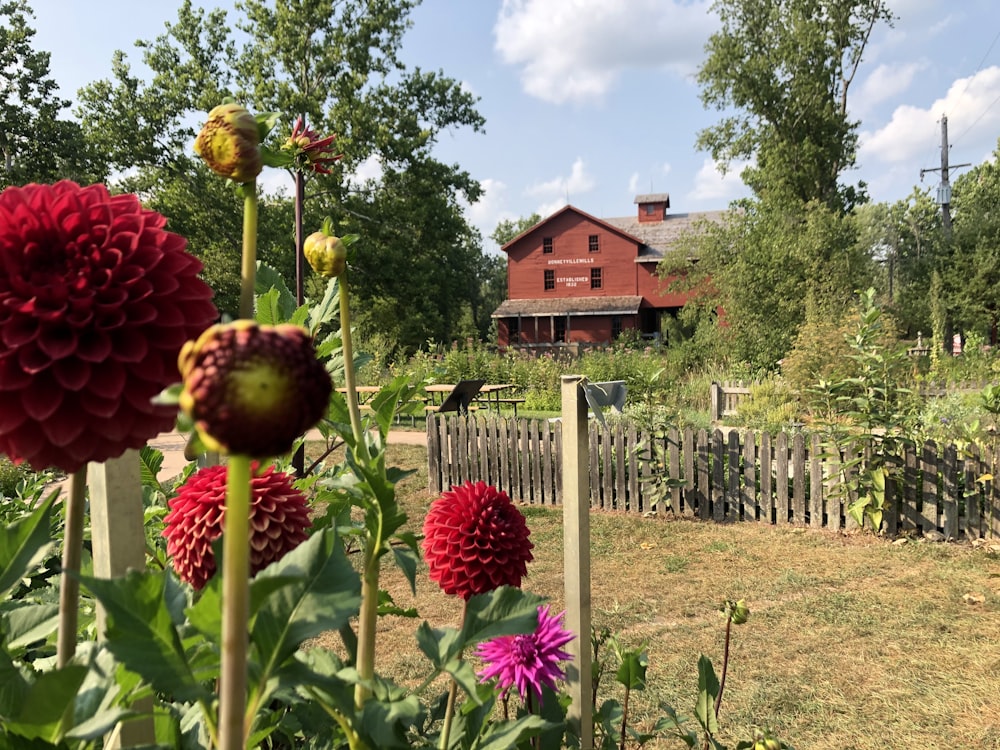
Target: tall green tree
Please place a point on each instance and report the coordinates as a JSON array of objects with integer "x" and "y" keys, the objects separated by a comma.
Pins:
[
  {"x": 907, "y": 242},
  {"x": 781, "y": 71},
  {"x": 35, "y": 144},
  {"x": 338, "y": 65},
  {"x": 971, "y": 275},
  {"x": 784, "y": 67},
  {"x": 508, "y": 229}
]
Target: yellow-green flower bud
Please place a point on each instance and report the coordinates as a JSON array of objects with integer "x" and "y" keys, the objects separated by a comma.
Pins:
[
  {"x": 230, "y": 143},
  {"x": 739, "y": 612},
  {"x": 327, "y": 255}
]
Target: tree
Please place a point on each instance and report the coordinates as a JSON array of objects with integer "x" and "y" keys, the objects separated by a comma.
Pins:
[
  {"x": 337, "y": 65},
  {"x": 907, "y": 241},
  {"x": 35, "y": 145},
  {"x": 508, "y": 229},
  {"x": 786, "y": 67},
  {"x": 971, "y": 277},
  {"x": 783, "y": 68}
]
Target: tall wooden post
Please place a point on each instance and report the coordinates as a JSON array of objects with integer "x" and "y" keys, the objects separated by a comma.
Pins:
[
  {"x": 119, "y": 543},
  {"x": 576, "y": 555}
]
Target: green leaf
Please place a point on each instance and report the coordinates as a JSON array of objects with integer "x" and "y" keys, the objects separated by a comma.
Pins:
[
  {"x": 504, "y": 611},
  {"x": 24, "y": 625},
  {"x": 24, "y": 544},
  {"x": 323, "y": 593},
  {"x": 632, "y": 672},
  {"x": 407, "y": 560},
  {"x": 150, "y": 463},
  {"x": 507, "y": 734},
  {"x": 46, "y": 701},
  {"x": 708, "y": 691},
  {"x": 856, "y": 510},
  {"x": 267, "y": 279},
  {"x": 269, "y": 308},
  {"x": 327, "y": 310},
  {"x": 141, "y": 632}
]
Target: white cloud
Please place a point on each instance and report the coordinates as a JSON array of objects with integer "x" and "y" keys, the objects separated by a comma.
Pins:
[
  {"x": 575, "y": 50},
  {"x": 716, "y": 189},
  {"x": 489, "y": 210},
  {"x": 886, "y": 82},
  {"x": 633, "y": 183},
  {"x": 369, "y": 169},
  {"x": 973, "y": 109},
  {"x": 559, "y": 190}
]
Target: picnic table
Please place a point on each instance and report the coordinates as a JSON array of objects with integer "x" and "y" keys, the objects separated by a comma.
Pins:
[{"x": 487, "y": 394}]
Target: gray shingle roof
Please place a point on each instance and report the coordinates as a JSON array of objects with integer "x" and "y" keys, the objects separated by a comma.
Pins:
[
  {"x": 528, "y": 308},
  {"x": 660, "y": 236}
]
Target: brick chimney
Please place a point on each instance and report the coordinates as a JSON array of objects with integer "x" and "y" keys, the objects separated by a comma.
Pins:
[{"x": 653, "y": 206}]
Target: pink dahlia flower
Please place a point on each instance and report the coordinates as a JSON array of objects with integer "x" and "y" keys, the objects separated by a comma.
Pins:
[
  {"x": 279, "y": 518},
  {"x": 96, "y": 301},
  {"x": 476, "y": 540},
  {"x": 528, "y": 661}
]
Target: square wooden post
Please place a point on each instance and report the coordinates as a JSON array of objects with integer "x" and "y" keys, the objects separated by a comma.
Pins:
[
  {"x": 119, "y": 539},
  {"x": 576, "y": 555}
]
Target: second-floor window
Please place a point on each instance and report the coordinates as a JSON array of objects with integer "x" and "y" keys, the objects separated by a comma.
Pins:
[
  {"x": 546, "y": 244},
  {"x": 595, "y": 278},
  {"x": 550, "y": 280},
  {"x": 594, "y": 244}
]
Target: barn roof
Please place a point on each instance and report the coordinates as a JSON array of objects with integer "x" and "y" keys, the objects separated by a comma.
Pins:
[{"x": 528, "y": 308}]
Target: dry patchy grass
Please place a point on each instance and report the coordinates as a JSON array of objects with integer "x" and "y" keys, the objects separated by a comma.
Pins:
[{"x": 853, "y": 642}]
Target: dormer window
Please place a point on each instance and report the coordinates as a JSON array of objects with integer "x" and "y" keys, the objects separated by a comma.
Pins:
[{"x": 653, "y": 206}]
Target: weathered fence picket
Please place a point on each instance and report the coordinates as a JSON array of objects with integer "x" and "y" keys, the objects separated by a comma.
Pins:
[{"x": 777, "y": 479}]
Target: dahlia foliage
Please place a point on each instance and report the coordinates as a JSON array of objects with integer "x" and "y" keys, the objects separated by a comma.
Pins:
[
  {"x": 476, "y": 540},
  {"x": 96, "y": 300},
  {"x": 279, "y": 517},
  {"x": 529, "y": 661}
]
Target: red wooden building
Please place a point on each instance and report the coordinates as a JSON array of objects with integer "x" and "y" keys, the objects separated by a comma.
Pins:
[{"x": 574, "y": 278}]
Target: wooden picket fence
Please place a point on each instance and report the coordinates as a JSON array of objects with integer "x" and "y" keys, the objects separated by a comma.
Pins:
[{"x": 724, "y": 477}]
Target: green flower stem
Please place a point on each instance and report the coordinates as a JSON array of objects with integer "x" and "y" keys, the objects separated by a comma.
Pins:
[
  {"x": 248, "y": 267},
  {"x": 449, "y": 711},
  {"x": 367, "y": 620},
  {"x": 69, "y": 586},
  {"x": 350, "y": 380},
  {"x": 235, "y": 605}
]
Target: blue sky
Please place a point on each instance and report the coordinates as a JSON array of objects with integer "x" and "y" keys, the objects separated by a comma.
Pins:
[{"x": 594, "y": 101}]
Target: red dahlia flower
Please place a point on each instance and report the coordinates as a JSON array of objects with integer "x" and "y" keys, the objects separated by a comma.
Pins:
[
  {"x": 279, "y": 518},
  {"x": 476, "y": 540},
  {"x": 528, "y": 661},
  {"x": 96, "y": 300}
]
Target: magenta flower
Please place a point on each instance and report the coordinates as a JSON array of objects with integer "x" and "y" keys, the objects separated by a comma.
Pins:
[
  {"x": 96, "y": 300},
  {"x": 475, "y": 540},
  {"x": 279, "y": 517},
  {"x": 528, "y": 661}
]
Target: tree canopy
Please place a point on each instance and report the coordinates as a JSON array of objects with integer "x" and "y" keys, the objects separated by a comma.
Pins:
[
  {"x": 36, "y": 145},
  {"x": 338, "y": 65}
]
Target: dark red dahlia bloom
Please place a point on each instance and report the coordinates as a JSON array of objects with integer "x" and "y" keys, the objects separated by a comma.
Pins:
[
  {"x": 96, "y": 301},
  {"x": 279, "y": 518},
  {"x": 476, "y": 540},
  {"x": 253, "y": 389}
]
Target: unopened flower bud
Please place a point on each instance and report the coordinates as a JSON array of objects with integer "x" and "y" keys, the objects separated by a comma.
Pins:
[
  {"x": 230, "y": 143},
  {"x": 252, "y": 389},
  {"x": 327, "y": 255},
  {"x": 739, "y": 612}
]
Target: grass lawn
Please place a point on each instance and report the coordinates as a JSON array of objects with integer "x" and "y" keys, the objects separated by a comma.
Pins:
[{"x": 852, "y": 642}]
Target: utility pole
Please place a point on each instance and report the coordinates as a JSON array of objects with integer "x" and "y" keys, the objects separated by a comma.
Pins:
[{"x": 944, "y": 188}]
